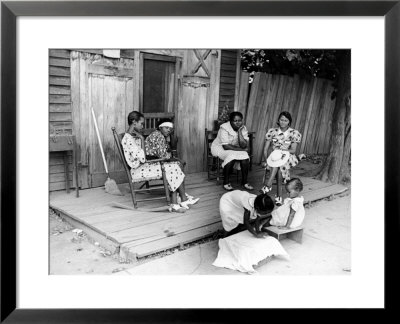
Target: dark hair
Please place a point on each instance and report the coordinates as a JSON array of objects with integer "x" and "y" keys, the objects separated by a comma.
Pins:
[
  {"x": 233, "y": 114},
  {"x": 285, "y": 114},
  {"x": 134, "y": 116},
  {"x": 264, "y": 203},
  {"x": 163, "y": 120},
  {"x": 297, "y": 184}
]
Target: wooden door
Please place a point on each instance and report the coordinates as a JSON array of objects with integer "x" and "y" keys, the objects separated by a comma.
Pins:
[{"x": 107, "y": 86}]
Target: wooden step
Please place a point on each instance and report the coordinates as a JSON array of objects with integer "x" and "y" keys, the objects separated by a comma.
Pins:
[{"x": 132, "y": 252}]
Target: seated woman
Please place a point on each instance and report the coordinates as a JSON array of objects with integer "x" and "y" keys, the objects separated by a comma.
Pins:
[
  {"x": 171, "y": 140},
  {"x": 282, "y": 138},
  {"x": 160, "y": 145},
  {"x": 143, "y": 171},
  {"x": 231, "y": 145}
]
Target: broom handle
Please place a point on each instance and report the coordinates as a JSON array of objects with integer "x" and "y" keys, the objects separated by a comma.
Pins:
[{"x": 98, "y": 136}]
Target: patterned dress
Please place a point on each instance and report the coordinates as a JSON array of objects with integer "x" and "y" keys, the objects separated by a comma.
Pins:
[
  {"x": 282, "y": 141},
  {"x": 157, "y": 146},
  {"x": 143, "y": 171},
  {"x": 227, "y": 135}
]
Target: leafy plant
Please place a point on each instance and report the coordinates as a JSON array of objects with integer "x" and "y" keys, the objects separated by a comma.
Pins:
[
  {"x": 224, "y": 115},
  {"x": 306, "y": 63}
]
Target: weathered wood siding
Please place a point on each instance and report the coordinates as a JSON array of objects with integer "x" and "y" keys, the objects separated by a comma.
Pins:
[
  {"x": 308, "y": 101},
  {"x": 106, "y": 85},
  {"x": 81, "y": 79},
  {"x": 227, "y": 84},
  {"x": 60, "y": 112},
  {"x": 197, "y": 104}
]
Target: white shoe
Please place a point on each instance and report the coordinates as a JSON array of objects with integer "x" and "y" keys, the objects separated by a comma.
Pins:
[
  {"x": 176, "y": 208},
  {"x": 179, "y": 200},
  {"x": 278, "y": 201},
  {"x": 302, "y": 157},
  {"x": 185, "y": 204},
  {"x": 248, "y": 187},
  {"x": 266, "y": 189},
  {"x": 228, "y": 187}
]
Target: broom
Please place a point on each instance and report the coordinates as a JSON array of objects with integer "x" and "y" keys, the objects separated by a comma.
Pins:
[{"x": 110, "y": 185}]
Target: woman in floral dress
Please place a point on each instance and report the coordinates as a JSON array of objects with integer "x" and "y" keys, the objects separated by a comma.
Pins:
[
  {"x": 282, "y": 138},
  {"x": 143, "y": 171}
]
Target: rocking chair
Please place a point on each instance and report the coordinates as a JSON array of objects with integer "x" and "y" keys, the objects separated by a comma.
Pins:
[{"x": 135, "y": 200}]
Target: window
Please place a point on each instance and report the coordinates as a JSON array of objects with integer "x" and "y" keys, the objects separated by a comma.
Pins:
[{"x": 158, "y": 83}]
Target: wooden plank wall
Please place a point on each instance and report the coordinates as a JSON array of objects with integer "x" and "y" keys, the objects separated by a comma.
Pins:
[
  {"x": 308, "y": 101},
  {"x": 227, "y": 79},
  {"x": 243, "y": 93},
  {"x": 60, "y": 112}
]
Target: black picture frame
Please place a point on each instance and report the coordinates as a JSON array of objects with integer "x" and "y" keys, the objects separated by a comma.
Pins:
[{"x": 11, "y": 10}]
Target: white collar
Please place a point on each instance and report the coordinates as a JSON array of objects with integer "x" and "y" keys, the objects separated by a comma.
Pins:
[{"x": 228, "y": 127}]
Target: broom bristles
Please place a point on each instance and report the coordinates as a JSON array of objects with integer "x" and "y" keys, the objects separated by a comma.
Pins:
[{"x": 112, "y": 188}]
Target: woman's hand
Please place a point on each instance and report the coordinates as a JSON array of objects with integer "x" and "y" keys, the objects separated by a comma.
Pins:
[{"x": 242, "y": 142}]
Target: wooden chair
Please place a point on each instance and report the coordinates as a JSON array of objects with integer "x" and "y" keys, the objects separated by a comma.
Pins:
[
  {"x": 214, "y": 168},
  {"x": 151, "y": 120},
  {"x": 118, "y": 139}
]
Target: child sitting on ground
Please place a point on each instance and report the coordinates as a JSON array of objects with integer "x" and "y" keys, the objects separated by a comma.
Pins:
[
  {"x": 291, "y": 213},
  {"x": 242, "y": 210}
]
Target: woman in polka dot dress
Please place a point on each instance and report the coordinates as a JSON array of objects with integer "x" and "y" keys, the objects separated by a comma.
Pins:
[{"x": 158, "y": 148}]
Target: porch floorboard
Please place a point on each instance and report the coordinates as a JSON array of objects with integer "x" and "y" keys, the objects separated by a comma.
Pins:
[{"x": 138, "y": 233}]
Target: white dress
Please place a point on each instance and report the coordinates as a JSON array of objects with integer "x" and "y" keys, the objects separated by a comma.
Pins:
[
  {"x": 242, "y": 251},
  {"x": 227, "y": 135},
  {"x": 280, "y": 215},
  {"x": 231, "y": 208}
]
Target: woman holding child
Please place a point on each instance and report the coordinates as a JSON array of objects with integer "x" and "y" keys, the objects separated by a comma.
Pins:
[
  {"x": 231, "y": 145},
  {"x": 156, "y": 147},
  {"x": 284, "y": 140}
]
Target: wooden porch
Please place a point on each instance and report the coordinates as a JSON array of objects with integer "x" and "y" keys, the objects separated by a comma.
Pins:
[{"x": 135, "y": 234}]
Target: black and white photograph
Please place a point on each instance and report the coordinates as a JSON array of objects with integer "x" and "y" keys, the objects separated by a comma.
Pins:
[
  {"x": 199, "y": 161},
  {"x": 182, "y": 162}
]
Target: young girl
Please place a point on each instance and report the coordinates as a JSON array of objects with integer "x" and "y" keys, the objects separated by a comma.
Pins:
[
  {"x": 291, "y": 213},
  {"x": 240, "y": 210}
]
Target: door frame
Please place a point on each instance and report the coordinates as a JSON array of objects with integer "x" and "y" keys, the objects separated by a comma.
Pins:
[{"x": 165, "y": 58}]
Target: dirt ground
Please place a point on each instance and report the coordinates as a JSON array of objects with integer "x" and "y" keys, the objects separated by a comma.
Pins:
[{"x": 72, "y": 252}]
